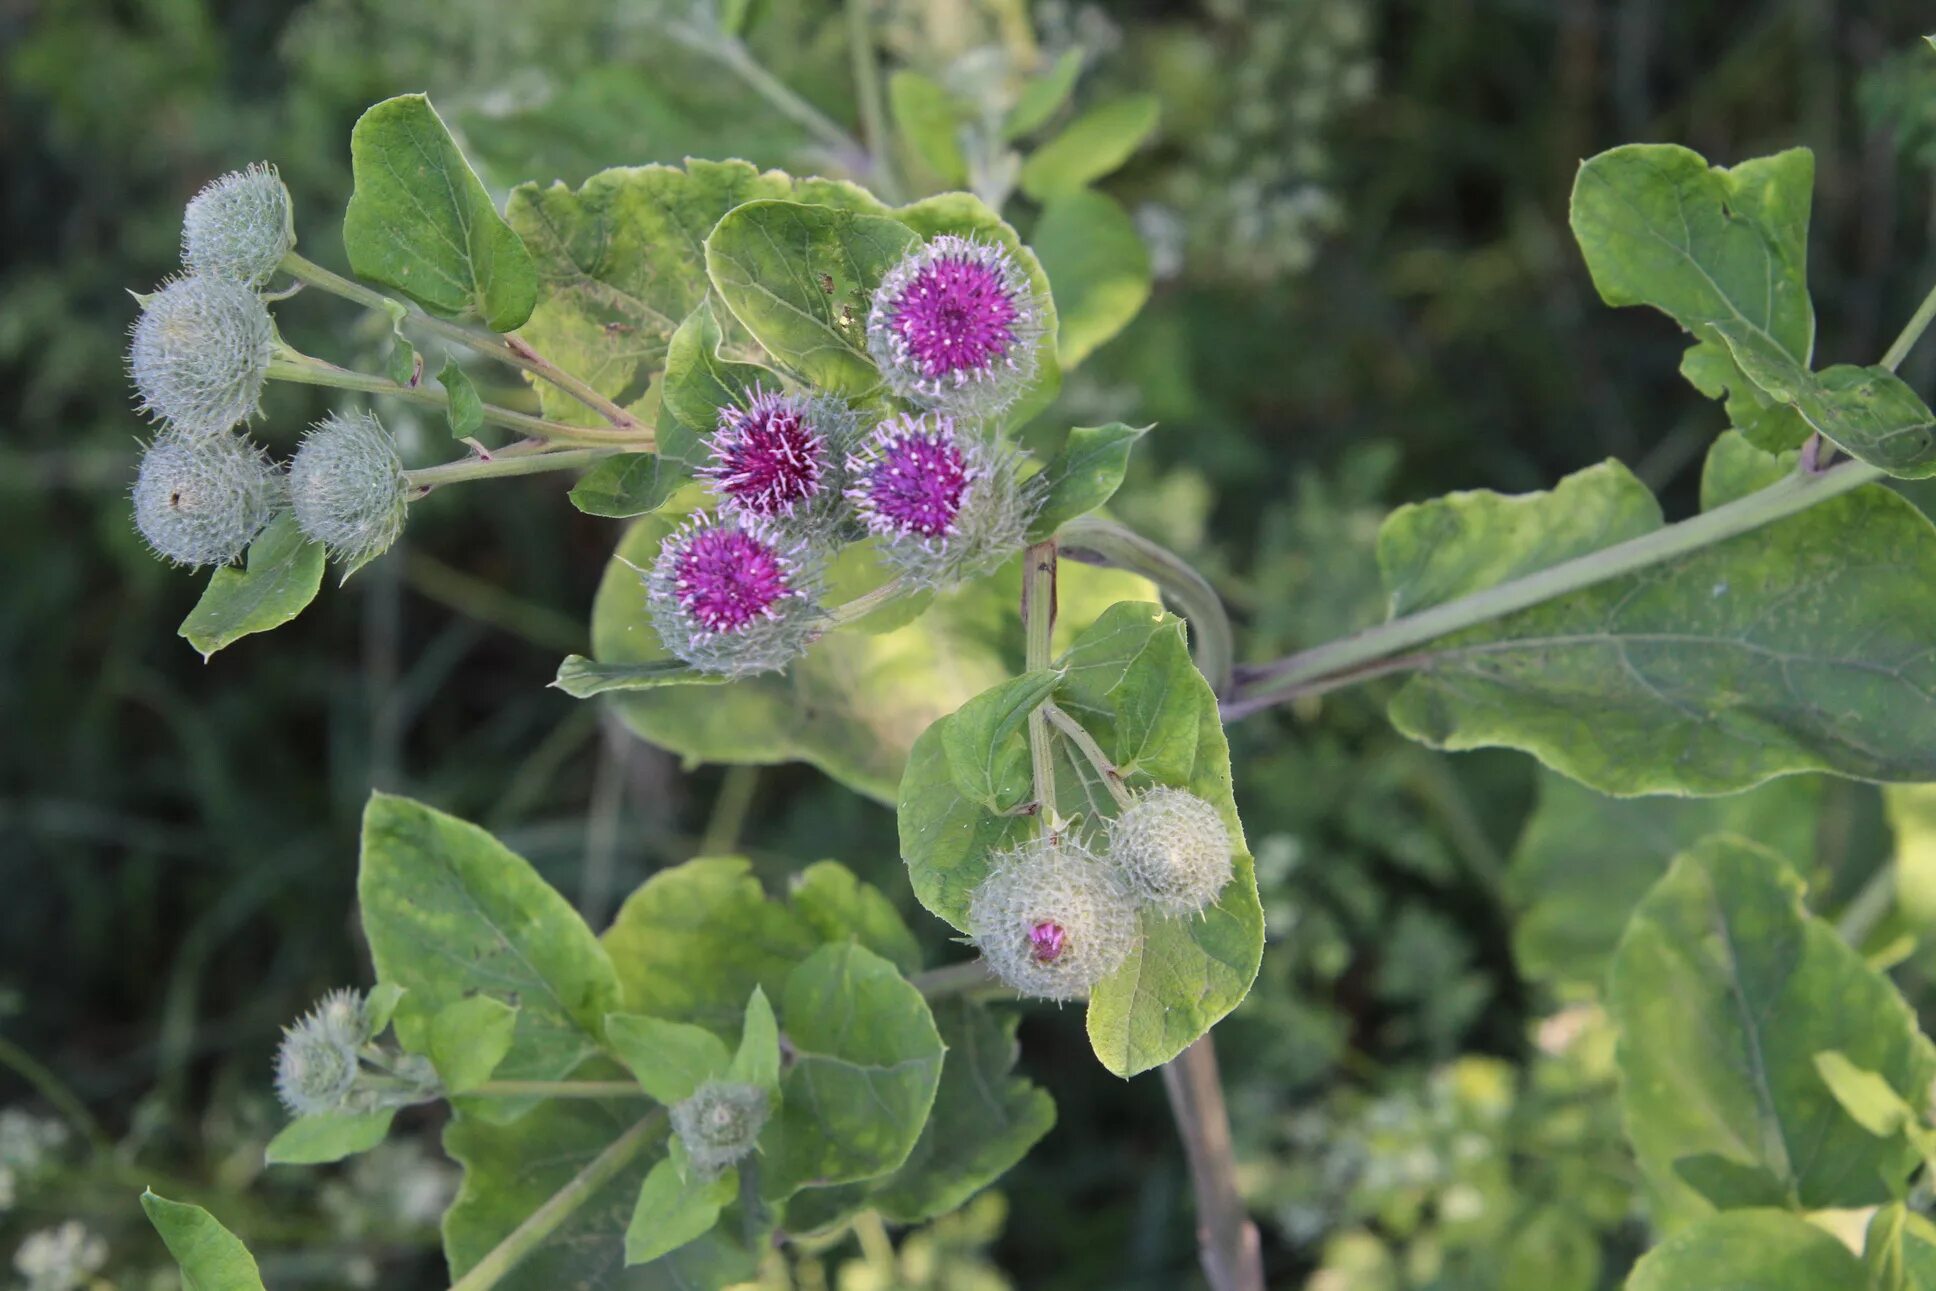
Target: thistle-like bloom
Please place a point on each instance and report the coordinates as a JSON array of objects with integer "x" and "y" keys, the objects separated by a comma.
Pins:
[
  {"x": 200, "y": 353},
  {"x": 719, "y": 1124},
  {"x": 239, "y": 226},
  {"x": 780, "y": 457},
  {"x": 1052, "y": 919},
  {"x": 1174, "y": 850},
  {"x": 734, "y": 598},
  {"x": 954, "y": 326},
  {"x": 946, "y": 505},
  {"x": 347, "y": 487},
  {"x": 316, "y": 1067},
  {"x": 202, "y": 501}
]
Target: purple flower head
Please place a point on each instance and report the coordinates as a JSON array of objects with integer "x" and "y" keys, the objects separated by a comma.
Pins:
[
  {"x": 732, "y": 597},
  {"x": 1045, "y": 939},
  {"x": 911, "y": 478},
  {"x": 955, "y": 326},
  {"x": 946, "y": 504},
  {"x": 768, "y": 458}
]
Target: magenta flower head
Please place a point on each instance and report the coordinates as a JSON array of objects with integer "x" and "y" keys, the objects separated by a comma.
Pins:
[
  {"x": 946, "y": 504},
  {"x": 954, "y": 326},
  {"x": 781, "y": 458},
  {"x": 734, "y": 597}
]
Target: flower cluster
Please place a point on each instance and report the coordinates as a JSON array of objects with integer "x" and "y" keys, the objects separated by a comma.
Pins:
[
  {"x": 1053, "y": 917},
  {"x": 719, "y": 1124}
]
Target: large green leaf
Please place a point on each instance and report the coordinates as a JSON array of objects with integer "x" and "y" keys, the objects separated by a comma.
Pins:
[
  {"x": 670, "y": 1059},
  {"x": 283, "y": 574},
  {"x": 854, "y": 705},
  {"x": 565, "y": 1148},
  {"x": 866, "y": 1061},
  {"x": 1091, "y": 146},
  {"x": 1749, "y": 1250},
  {"x": 1085, "y": 473},
  {"x": 1705, "y": 245},
  {"x": 324, "y": 1137},
  {"x": 421, "y": 222},
  {"x": 671, "y": 1211},
  {"x": 1585, "y": 860},
  {"x": 1129, "y": 680},
  {"x": 801, "y": 279},
  {"x": 622, "y": 261},
  {"x": 928, "y": 120},
  {"x": 1912, "y": 815},
  {"x": 838, "y": 906},
  {"x": 1801, "y": 646},
  {"x": 1098, "y": 265},
  {"x": 1724, "y": 989},
  {"x": 210, "y": 1256},
  {"x": 450, "y": 912}
]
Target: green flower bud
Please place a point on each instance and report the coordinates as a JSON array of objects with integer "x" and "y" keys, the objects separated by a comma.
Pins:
[
  {"x": 201, "y": 501},
  {"x": 1052, "y": 920},
  {"x": 1174, "y": 850},
  {"x": 347, "y": 487},
  {"x": 200, "y": 353},
  {"x": 720, "y": 1123},
  {"x": 316, "y": 1067},
  {"x": 239, "y": 227}
]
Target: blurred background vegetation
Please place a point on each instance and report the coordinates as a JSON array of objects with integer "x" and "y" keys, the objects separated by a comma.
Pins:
[{"x": 1366, "y": 294}]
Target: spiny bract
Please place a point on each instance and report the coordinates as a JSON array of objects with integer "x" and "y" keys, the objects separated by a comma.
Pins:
[
  {"x": 200, "y": 353},
  {"x": 239, "y": 226},
  {"x": 1174, "y": 850},
  {"x": 316, "y": 1067},
  {"x": 202, "y": 501},
  {"x": 347, "y": 487},
  {"x": 954, "y": 326},
  {"x": 781, "y": 457},
  {"x": 1052, "y": 919},
  {"x": 720, "y": 1123},
  {"x": 734, "y": 598},
  {"x": 946, "y": 504}
]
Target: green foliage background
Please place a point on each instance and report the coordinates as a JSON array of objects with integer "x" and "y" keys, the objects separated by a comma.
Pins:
[{"x": 1399, "y": 312}]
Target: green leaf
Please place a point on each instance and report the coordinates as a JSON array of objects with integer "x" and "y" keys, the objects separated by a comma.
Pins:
[
  {"x": 1724, "y": 989},
  {"x": 1704, "y": 245},
  {"x": 867, "y": 1059},
  {"x": 622, "y": 261},
  {"x": 837, "y": 906},
  {"x": 1864, "y": 1095},
  {"x": 1098, "y": 265},
  {"x": 699, "y": 382},
  {"x": 1766, "y": 422},
  {"x": 1802, "y": 646},
  {"x": 468, "y": 1039},
  {"x": 211, "y": 1257},
  {"x": 670, "y": 1059},
  {"x": 581, "y": 678},
  {"x": 1911, "y": 810},
  {"x": 1870, "y": 412},
  {"x": 328, "y": 1136},
  {"x": 854, "y": 704},
  {"x": 1585, "y": 860},
  {"x": 1900, "y": 1253},
  {"x": 404, "y": 365},
  {"x": 1129, "y": 680},
  {"x": 988, "y": 755},
  {"x": 1749, "y": 1250},
  {"x": 283, "y": 574},
  {"x": 630, "y": 484},
  {"x": 1084, "y": 474},
  {"x": 801, "y": 279},
  {"x": 450, "y": 911},
  {"x": 421, "y": 222},
  {"x": 380, "y": 1004},
  {"x": 562, "y": 1154},
  {"x": 1091, "y": 146},
  {"x": 1043, "y": 95},
  {"x": 465, "y": 411},
  {"x": 928, "y": 121},
  {"x": 757, "y": 1061},
  {"x": 671, "y": 1212},
  {"x": 1554, "y": 1250}
]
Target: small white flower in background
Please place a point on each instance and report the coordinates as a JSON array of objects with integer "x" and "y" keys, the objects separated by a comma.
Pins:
[
  {"x": 60, "y": 1259},
  {"x": 26, "y": 1139}
]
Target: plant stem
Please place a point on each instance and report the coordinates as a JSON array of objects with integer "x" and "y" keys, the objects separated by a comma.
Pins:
[
  {"x": 728, "y": 818},
  {"x": 303, "y": 369},
  {"x": 867, "y": 88},
  {"x": 866, "y": 603},
  {"x": 490, "y": 344},
  {"x": 969, "y": 977},
  {"x": 544, "y": 1221},
  {"x": 499, "y": 466},
  {"x": 1083, "y": 740},
  {"x": 63, "y": 1099},
  {"x": 1911, "y": 332},
  {"x": 1038, "y": 626},
  {"x": 1095, "y": 541},
  {"x": 734, "y": 55},
  {"x": 1357, "y": 657},
  {"x": 1867, "y": 907},
  {"x": 556, "y": 1089},
  {"x": 1227, "y": 1241}
]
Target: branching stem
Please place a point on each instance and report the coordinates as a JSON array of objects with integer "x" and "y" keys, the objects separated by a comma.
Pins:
[
  {"x": 1038, "y": 627},
  {"x": 1911, "y": 333},
  {"x": 1095, "y": 541},
  {"x": 1227, "y": 1241},
  {"x": 556, "y": 1089},
  {"x": 503, "y": 464},
  {"x": 1083, "y": 740}
]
